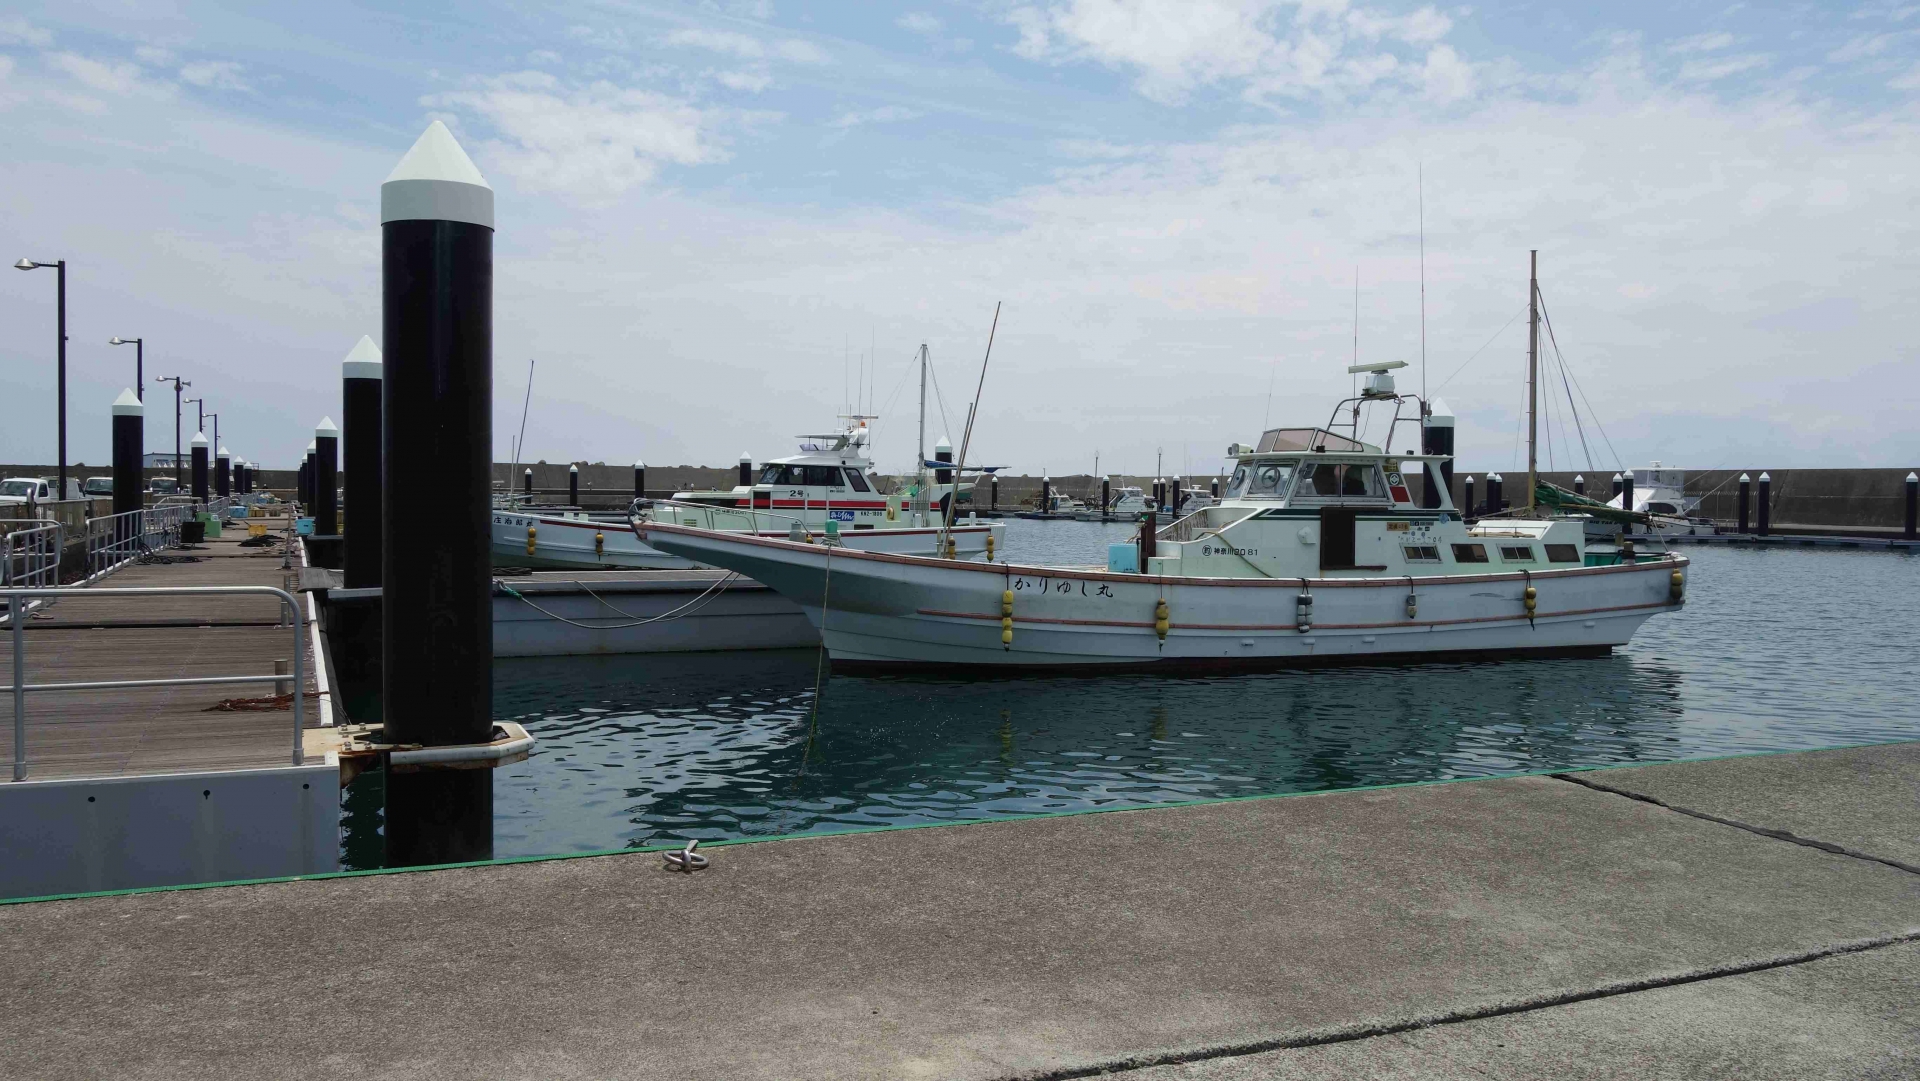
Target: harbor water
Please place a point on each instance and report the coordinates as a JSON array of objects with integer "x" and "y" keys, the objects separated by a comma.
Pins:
[{"x": 1775, "y": 650}]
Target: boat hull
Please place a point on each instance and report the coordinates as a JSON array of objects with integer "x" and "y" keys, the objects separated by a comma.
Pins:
[
  {"x": 561, "y": 543},
  {"x": 876, "y": 610}
]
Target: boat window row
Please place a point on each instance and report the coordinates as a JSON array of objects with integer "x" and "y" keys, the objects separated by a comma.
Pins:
[
  {"x": 813, "y": 476},
  {"x": 1477, "y": 553},
  {"x": 1322, "y": 480}
]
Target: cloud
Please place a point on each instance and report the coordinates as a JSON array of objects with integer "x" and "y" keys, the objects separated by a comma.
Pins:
[
  {"x": 1269, "y": 49},
  {"x": 749, "y": 81},
  {"x": 1702, "y": 43},
  {"x": 215, "y": 75},
  {"x": 886, "y": 114},
  {"x": 749, "y": 48},
  {"x": 593, "y": 141},
  {"x": 919, "y": 22},
  {"x": 1706, "y": 71},
  {"x": 17, "y": 31},
  {"x": 117, "y": 77}
]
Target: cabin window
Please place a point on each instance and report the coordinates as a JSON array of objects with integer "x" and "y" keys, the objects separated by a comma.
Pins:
[
  {"x": 776, "y": 474},
  {"x": 1269, "y": 480},
  {"x": 1469, "y": 553},
  {"x": 1516, "y": 553},
  {"x": 1355, "y": 480},
  {"x": 1238, "y": 485},
  {"x": 1421, "y": 553},
  {"x": 819, "y": 476},
  {"x": 1563, "y": 553},
  {"x": 1662, "y": 508},
  {"x": 858, "y": 480}
]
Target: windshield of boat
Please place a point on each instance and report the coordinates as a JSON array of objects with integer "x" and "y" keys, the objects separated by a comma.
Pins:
[
  {"x": 1334, "y": 480},
  {"x": 815, "y": 476},
  {"x": 17, "y": 487},
  {"x": 1262, "y": 480}
]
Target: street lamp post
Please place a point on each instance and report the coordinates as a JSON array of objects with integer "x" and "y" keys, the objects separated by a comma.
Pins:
[
  {"x": 139, "y": 363},
  {"x": 61, "y": 266},
  {"x": 178, "y": 383}
]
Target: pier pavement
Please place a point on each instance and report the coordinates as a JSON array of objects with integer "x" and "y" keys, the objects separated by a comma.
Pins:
[
  {"x": 146, "y": 730},
  {"x": 1753, "y": 917}
]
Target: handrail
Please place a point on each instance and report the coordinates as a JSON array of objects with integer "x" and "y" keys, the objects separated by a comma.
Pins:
[
  {"x": 16, "y": 607},
  {"x": 37, "y": 549}
]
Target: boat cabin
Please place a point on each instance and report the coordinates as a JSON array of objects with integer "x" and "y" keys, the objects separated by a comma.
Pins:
[{"x": 1310, "y": 503}]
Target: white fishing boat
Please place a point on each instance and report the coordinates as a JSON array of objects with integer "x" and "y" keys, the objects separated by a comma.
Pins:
[
  {"x": 1129, "y": 502},
  {"x": 1316, "y": 554},
  {"x": 825, "y": 489},
  {"x": 1660, "y": 493}
]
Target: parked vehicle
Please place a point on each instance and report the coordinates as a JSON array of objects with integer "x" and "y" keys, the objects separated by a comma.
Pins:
[{"x": 97, "y": 486}]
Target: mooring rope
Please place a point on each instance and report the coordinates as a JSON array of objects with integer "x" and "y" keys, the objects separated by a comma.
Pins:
[
  {"x": 819, "y": 665},
  {"x": 674, "y": 613}
]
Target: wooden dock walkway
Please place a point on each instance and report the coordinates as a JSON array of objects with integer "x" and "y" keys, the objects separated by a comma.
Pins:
[{"x": 109, "y": 733}]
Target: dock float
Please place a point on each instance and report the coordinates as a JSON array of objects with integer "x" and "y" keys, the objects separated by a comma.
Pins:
[
  {"x": 1756, "y": 917},
  {"x": 1750, "y": 540}
]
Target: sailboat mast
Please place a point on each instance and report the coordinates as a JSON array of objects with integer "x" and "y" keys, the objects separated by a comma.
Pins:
[
  {"x": 920, "y": 457},
  {"x": 1533, "y": 375}
]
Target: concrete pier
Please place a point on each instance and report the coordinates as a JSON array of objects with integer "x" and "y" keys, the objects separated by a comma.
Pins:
[{"x": 1755, "y": 917}]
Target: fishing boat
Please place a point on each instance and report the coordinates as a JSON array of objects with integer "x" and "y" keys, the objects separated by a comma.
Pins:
[
  {"x": 1316, "y": 554},
  {"x": 827, "y": 488}
]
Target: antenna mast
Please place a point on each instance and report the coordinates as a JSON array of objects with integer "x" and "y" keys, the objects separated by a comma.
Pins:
[
  {"x": 1533, "y": 373},
  {"x": 1420, "y": 188},
  {"x": 920, "y": 456}
]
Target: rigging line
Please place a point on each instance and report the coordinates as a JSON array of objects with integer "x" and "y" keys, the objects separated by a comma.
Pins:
[
  {"x": 946, "y": 423},
  {"x": 1621, "y": 462},
  {"x": 1482, "y": 349},
  {"x": 1420, "y": 179},
  {"x": 819, "y": 666},
  {"x": 1571, "y": 407}
]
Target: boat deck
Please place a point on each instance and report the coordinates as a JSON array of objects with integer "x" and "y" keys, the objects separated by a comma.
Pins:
[{"x": 122, "y": 732}]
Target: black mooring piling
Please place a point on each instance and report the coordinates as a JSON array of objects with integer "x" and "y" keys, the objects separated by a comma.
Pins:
[
  {"x": 639, "y": 479},
  {"x": 1046, "y": 496},
  {"x": 1436, "y": 437},
  {"x": 1466, "y": 503},
  {"x": 993, "y": 494},
  {"x": 129, "y": 436},
  {"x": 222, "y": 473},
  {"x": 1626, "y": 495},
  {"x": 1616, "y": 489},
  {"x": 746, "y": 470},
  {"x": 526, "y": 483},
  {"x": 1106, "y": 495},
  {"x": 1496, "y": 497},
  {"x": 436, "y": 226},
  {"x": 1764, "y": 508},
  {"x": 943, "y": 452},
  {"x": 573, "y": 485},
  {"x": 360, "y": 413},
  {"x": 1913, "y": 503},
  {"x": 199, "y": 445},
  {"x": 307, "y": 496},
  {"x": 1579, "y": 484},
  {"x": 1746, "y": 501},
  {"x": 326, "y": 491}
]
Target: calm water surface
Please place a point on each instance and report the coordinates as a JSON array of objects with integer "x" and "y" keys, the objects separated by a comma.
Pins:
[{"x": 1775, "y": 650}]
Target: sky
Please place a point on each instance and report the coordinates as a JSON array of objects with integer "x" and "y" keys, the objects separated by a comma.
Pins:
[{"x": 717, "y": 220}]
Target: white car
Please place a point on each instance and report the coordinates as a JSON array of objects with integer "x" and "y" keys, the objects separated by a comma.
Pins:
[{"x": 24, "y": 491}]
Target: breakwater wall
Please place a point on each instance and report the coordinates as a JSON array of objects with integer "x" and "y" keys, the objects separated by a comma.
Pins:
[{"x": 1805, "y": 499}]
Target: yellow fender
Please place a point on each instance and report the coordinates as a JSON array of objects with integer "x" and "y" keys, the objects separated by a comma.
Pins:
[
  {"x": 599, "y": 545},
  {"x": 1006, "y": 619},
  {"x": 1160, "y": 623},
  {"x": 1677, "y": 587},
  {"x": 531, "y": 533}
]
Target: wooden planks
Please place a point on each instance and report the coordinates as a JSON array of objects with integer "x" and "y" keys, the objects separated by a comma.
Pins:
[{"x": 158, "y": 730}]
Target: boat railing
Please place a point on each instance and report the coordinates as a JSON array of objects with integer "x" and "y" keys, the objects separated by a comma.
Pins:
[
  {"x": 1199, "y": 523},
  {"x": 719, "y": 519},
  {"x": 20, "y": 599},
  {"x": 114, "y": 540}
]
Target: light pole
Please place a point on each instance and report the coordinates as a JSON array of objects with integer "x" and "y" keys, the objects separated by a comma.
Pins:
[
  {"x": 200, "y": 405},
  {"x": 139, "y": 363},
  {"x": 177, "y": 384},
  {"x": 61, "y": 266},
  {"x": 216, "y": 428}
]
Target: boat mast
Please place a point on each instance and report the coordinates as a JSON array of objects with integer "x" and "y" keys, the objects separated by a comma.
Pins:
[
  {"x": 921, "y": 456},
  {"x": 1533, "y": 374}
]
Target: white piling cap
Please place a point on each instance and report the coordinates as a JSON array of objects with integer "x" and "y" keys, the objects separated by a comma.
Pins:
[
  {"x": 325, "y": 429},
  {"x": 1744, "y": 479},
  {"x": 1442, "y": 416},
  {"x": 128, "y": 404},
  {"x": 1912, "y": 477},
  {"x": 745, "y": 457},
  {"x": 312, "y": 445},
  {"x": 573, "y": 469},
  {"x": 199, "y": 440},
  {"x": 529, "y": 471},
  {"x": 436, "y": 181},
  {"x": 1616, "y": 476},
  {"x": 1469, "y": 478},
  {"x": 1764, "y": 479},
  {"x": 363, "y": 362},
  {"x": 1579, "y": 479},
  {"x": 1495, "y": 476},
  {"x": 638, "y": 464},
  {"x": 222, "y": 453},
  {"x": 942, "y": 445}
]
